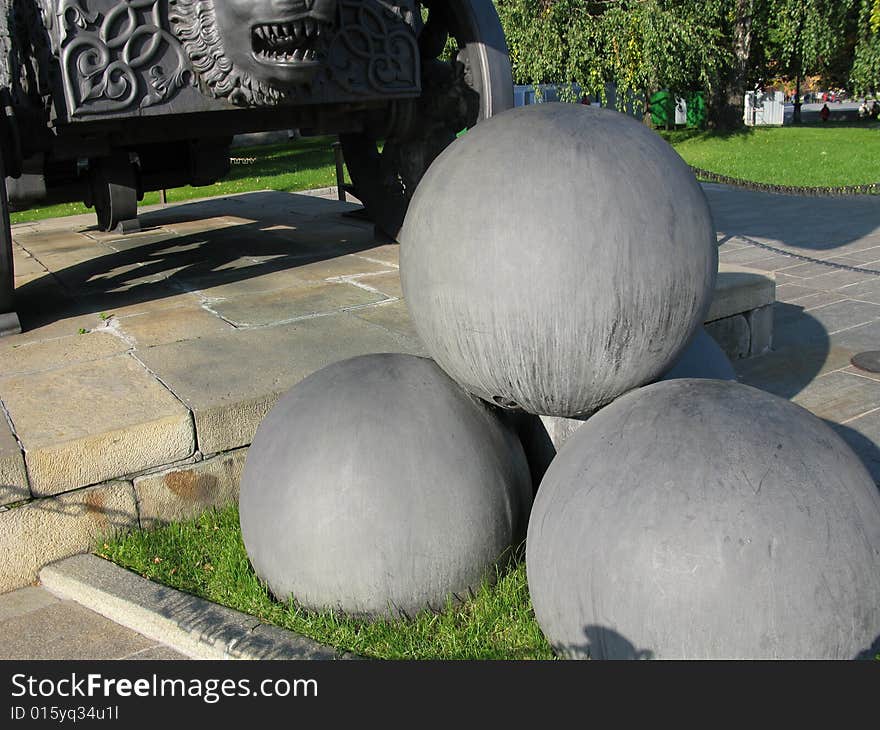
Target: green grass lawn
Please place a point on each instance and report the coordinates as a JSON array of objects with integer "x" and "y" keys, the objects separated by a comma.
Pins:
[
  {"x": 206, "y": 557},
  {"x": 827, "y": 155},
  {"x": 300, "y": 165}
]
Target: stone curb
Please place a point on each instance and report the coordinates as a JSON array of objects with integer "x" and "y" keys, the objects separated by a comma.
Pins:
[
  {"x": 192, "y": 626},
  {"x": 820, "y": 191}
]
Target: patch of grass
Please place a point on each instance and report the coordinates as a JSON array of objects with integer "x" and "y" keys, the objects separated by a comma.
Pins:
[
  {"x": 826, "y": 155},
  {"x": 206, "y": 557},
  {"x": 300, "y": 165}
]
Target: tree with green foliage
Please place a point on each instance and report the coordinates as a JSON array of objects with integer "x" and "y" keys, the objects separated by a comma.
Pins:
[
  {"x": 865, "y": 76},
  {"x": 641, "y": 46},
  {"x": 742, "y": 26},
  {"x": 806, "y": 35},
  {"x": 722, "y": 47},
  {"x": 638, "y": 46}
]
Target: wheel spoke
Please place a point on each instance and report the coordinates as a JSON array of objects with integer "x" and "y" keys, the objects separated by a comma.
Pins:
[
  {"x": 9, "y": 323},
  {"x": 434, "y": 35}
]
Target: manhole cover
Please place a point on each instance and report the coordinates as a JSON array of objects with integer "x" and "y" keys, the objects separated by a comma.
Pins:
[{"x": 869, "y": 361}]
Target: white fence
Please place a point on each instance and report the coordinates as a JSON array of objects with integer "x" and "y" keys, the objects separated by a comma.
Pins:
[{"x": 764, "y": 109}]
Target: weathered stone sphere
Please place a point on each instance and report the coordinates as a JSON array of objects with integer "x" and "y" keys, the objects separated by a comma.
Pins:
[
  {"x": 556, "y": 256},
  {"x": 706, "y": 519},
  {"x": 377, "y": 486}
]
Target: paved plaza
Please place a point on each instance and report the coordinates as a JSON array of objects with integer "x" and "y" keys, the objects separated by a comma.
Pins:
[
  {"x": 825, "y": 256},
  {"x": 148, "y": 360}
]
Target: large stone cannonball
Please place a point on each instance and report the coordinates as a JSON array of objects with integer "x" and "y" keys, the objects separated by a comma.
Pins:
[
  {"x": 556, "y": 256},
  {"x": 377, "y": 486},
  {"x": 706, "y": 519}
]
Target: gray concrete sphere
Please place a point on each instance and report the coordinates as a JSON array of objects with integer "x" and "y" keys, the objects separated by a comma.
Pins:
[
  {"x": 705, "y": 519},
  {"x": 702, "y": 358},
  {"x": 377, "y": 486},
  {"x": 557, "y": 256}
]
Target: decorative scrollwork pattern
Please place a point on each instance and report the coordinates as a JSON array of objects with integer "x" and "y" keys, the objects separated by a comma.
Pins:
[{"x": 111, "y": 61}]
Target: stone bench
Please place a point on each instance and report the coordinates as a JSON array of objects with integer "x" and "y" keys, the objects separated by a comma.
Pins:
[{"x": 741, "y": 316}]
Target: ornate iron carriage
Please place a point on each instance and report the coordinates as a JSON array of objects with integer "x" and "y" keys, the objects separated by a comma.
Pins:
[{"x": 103, "y": 100}]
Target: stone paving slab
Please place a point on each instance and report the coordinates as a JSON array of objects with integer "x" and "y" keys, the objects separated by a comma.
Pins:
[
  {"x": 793, "y": 292},
  {"x": 866, "y": 291},
  {"x": 393, "y": 316},
  {"x": 249, "y": 369},
  {"x": 35, "y": 624},
  {"x": 388, "y": 283},
  {"x": 24, "y": 601},
  {"x": 155, "y": 299},
  {"x": 840, "y": 396},
  {"x": 819, "y": 299},
  {"x": 340, "y": 267},
  {"x": 859, "y": 339},
  {"x": 94, "y": 421},
  {"x": 831, "y": 280},
  {"x": 844, "y": 315},
  {"x": 35, "y": 357},
  {"x": 185, "y": 321},
  {"x": 299, "y": 302},
  {"x": 24, "y": 264},
  {"x": 70, "y": 632}
]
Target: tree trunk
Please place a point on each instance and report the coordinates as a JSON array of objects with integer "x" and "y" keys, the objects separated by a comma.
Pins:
[
  {"x": 796, "y": 119},
  {"x": 647, "y": 119},
  {"x": 742, "y": 47},
  {"x": 732, "y": 98}
]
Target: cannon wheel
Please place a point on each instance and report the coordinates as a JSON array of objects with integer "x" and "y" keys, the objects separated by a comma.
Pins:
[
  {"x": 385, "y": 178},
  {"x": 114, "y": 191}
]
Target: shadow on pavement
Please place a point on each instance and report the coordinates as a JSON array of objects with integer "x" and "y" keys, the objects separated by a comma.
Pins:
[
  {"x": 147, "y": 268},
  {"x": 865, "y": 448},
  {"x": 801, "y": 349},
  {"x": 812, "y": 223}
]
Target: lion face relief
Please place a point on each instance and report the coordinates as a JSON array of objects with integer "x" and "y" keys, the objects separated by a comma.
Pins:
[{"x": 253, "y": 51}]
